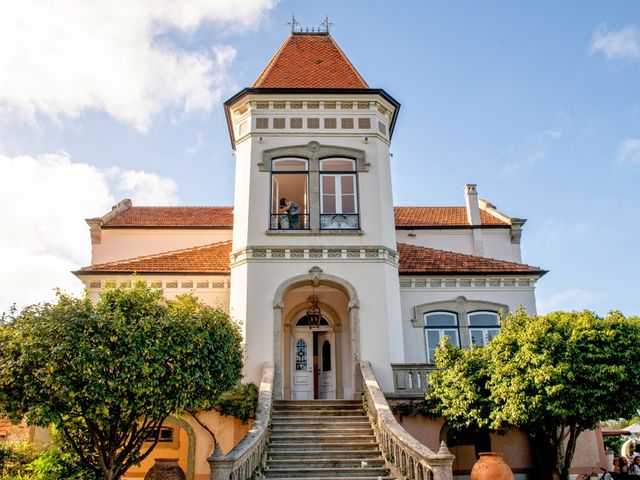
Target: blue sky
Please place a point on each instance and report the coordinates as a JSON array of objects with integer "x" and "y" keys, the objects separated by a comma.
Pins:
[{"x": 537, "y": 103}]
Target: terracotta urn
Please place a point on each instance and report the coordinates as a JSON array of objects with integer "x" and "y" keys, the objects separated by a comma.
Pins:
[
  {"x": 491, "y": 466},
  {"x": 166, "y": 469}
]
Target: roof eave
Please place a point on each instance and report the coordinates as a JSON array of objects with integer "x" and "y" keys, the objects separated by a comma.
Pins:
[
  {"x": 309, "y": 91},
  {"x": 538, "y": 273},
  {"x": 78, "y": 273}
]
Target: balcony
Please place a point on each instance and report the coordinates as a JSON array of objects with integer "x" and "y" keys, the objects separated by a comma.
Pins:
[
  {"x": 280, "y": 221},
  {"x": 328, "y": 221},
  {"x": 411, "y": 379}
]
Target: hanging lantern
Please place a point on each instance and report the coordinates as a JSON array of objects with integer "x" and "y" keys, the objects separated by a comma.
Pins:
[{"x": 314, "y": 315}]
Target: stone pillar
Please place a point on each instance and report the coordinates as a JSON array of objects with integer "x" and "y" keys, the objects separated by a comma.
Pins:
[
  {"x": 356, "y": 378},
  {"x": 277, "y": 350},
  {"x": 442, "y": 463}
]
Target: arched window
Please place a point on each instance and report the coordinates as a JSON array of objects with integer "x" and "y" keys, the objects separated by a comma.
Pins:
[
  {"x": 289, "y": 193},
  {"x": 338, "y": 194},
  {"x": 304, "y": 322},
  {"x": 483, "y": 327},
  {"x": 436, "y": 326}
]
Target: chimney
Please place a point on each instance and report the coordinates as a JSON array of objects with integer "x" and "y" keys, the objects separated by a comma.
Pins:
[
  {"x": 471, "y": 201},
  {"x": 473, "y": 217}
]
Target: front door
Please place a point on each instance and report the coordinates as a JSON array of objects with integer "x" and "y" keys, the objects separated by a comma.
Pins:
[
  {"x": 326, "y": 366},
  {"x": 302, "y": 365}
]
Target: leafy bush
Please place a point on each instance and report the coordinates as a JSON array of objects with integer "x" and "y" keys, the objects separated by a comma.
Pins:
[
  {"x": 240, "y": 402},
  {"x": 14, "y": 456}
]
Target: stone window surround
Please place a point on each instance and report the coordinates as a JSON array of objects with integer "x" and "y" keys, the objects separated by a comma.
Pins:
[
  {"x": 461, "y": 306},
  {"x": 314, "y": 152}
]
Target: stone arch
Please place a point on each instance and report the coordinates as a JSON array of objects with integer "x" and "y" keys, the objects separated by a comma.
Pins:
[
  {"x": 316, "y": 277},
  {"x": 191, "y": 451}
]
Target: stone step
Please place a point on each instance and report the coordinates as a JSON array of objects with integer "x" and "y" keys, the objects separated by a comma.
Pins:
[
  {"x": 278, "y": 403},
  {"x": 318, "y": 419},
  {"x": 325, "y": 473},
  {"x": 374, "y": 477},
  {"x": 318, "y": 412},
  {"x": 325, "y": 462},
  {"x": 319, "y": 433},
  {"x": 319, "y": 425},
  {"x": 345, "y": 439},
  {"x": 359, "y": 455},
  {"x": 316, "y": 448}
]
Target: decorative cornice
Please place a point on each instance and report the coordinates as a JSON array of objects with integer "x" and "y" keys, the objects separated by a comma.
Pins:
[
  {"x": 470, "y": 282},
  {"x": 297, "y": 254},
  {"x": 187, "y": 284}
]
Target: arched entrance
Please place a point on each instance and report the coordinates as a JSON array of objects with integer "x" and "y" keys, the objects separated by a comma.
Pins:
[{"x": 316, "y": 362}]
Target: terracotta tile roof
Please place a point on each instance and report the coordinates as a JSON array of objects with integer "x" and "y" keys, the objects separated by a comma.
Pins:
[
  {"x": 310, "y": 61},
  {"x": 213, "y": 258},
  {"x": 423, "y": 260},
  {"x": 407, "y": 217},
  {"x": 210, "y": 217},
  {"x": 222, "y": 217}
]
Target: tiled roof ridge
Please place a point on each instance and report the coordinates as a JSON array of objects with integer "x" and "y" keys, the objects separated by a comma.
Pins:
[
  {"x": 180, "y": 206},
  {"x": 533, "y": 269},
  {"x": 154, "y": 255}
]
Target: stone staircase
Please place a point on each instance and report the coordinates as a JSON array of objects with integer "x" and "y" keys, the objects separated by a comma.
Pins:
[{"x": 320, "y": 439}]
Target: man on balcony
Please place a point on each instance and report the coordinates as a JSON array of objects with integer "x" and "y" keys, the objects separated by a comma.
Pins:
[{"x": 292, "y": 209}]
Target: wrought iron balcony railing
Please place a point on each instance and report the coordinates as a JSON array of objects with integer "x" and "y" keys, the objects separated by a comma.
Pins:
[
  {"x": 339, "y": 221},
  {"x": 281, "y": 221}
]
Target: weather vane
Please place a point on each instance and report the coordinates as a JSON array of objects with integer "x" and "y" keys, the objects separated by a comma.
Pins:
[
  {"x": 326, "y": 24},
  {"x": 294, "y": 23},
  {"x": 296, "y": 27}
]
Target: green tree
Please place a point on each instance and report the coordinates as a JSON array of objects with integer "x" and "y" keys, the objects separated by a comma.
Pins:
[
  {"x": 552, "y": 376},
  {"x": 107, "y": 375}
]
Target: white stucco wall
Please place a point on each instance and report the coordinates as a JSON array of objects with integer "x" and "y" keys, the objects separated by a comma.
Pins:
[
  {"x": 123, "y": 243},
  {"x": 496, "y": 241}
]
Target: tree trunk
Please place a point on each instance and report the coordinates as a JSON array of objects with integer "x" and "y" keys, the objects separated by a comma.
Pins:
[
  {"x": 570, "y": 450},
  {"x": 548, "y": 455}
]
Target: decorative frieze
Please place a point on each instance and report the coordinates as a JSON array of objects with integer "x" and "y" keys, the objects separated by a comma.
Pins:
[
  {"x": 301, "y": 254},
  {"x": 173, "y": 284},
  {"x": 467, "y": 283}
]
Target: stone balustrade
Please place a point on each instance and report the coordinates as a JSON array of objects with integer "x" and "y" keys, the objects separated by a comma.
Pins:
[
  {"x": 411, "y": 378},
  {"x": 407, "y": 456},
  {"x": 248, "y": 456}
]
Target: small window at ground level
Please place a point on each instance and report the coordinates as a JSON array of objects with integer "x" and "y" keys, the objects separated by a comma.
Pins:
[{"x": 165, "y": 435}]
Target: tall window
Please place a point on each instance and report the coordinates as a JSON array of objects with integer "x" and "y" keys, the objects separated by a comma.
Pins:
[
  {"x": 289, "y": 193},
  {"x": 338, "y": 194},
  {"x": 436, "y": 326},
  {"x": 483, "y": 327}
]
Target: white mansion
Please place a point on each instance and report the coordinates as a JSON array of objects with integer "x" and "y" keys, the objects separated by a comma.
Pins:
[{"x": 313, "y": 226}]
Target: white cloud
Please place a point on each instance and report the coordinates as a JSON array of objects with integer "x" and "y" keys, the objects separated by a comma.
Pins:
[
  {"x": 622, "y": 44},
  {"x": 629, "y": 152},
  {"x": 148, "y": 188},
  {"x": 43, "y": 203},
  {"x": 66, "y": 57},
  {"x": 571, "y": 299}
]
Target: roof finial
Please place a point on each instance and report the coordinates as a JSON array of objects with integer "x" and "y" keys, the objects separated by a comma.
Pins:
[
  {"x": 294, "y": 23},
  {"x": 326, "y": 24}
]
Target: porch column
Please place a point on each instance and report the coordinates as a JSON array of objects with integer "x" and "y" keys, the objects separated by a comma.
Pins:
[
  {"x": 277, "y": 350},
  {"x": 356, "y": 378}
]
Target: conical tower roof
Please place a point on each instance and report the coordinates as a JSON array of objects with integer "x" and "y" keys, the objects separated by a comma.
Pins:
[{"x": 310, "y": 60}]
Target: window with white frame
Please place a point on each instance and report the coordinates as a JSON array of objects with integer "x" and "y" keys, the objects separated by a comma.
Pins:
[
  {"x": 289, "y": 193},
  {"x": 338, "y": 194},
  {"x": 436, "y": 326},
  {"x": 483, "y": 327}
]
